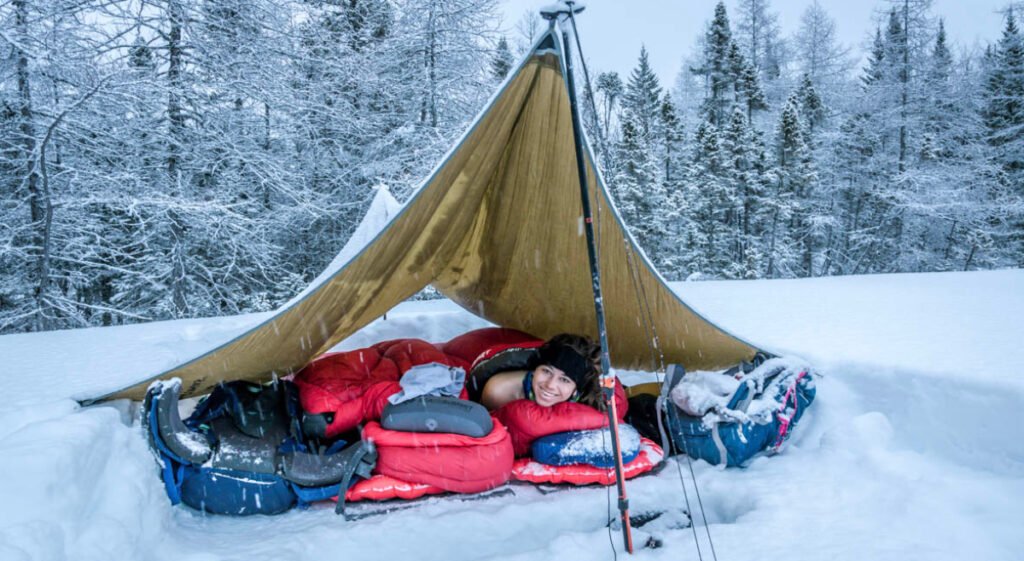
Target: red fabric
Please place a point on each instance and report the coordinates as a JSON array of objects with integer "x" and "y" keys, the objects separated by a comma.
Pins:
[
  {"x": 479, "y": 344},
  {"x": 526, "y": 469},
  {"x": 383, "y": 488},
  {"x": 527, "y": 421},
  {"x": 452, "y": 462},
  {"x": 355, "y": 385}
]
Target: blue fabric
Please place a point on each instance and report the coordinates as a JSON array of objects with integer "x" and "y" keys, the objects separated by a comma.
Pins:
[
  {"x": 528, "y": 385},
  {"x": 562, "y": 449},
  {"x": 741, "y": 441},
  {"x": 221, "y": 491},
  {"x": 172, "y": 469},
  {"x": 172, "y": 473},
  {"x": 307, "y": 495}
]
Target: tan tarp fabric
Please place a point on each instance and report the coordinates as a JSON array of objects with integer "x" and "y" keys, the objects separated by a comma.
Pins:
[{"x": 498, "y": 229}]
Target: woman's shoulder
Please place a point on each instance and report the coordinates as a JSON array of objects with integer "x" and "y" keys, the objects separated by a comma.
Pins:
[{"x": 502, "y": 388}]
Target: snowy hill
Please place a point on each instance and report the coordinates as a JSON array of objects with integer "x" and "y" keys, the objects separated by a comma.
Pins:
[{"x": 910, "y": 451}]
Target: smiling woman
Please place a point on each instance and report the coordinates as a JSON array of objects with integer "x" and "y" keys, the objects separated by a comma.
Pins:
[{"x": 564, "y": 368}]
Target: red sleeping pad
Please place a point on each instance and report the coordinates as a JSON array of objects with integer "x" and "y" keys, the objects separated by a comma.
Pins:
[
  {"x": 526, "y": 469},
  {"x": 384, "y": 488}
]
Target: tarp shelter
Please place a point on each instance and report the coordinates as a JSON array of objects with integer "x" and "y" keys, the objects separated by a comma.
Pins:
[{"x": 497, "y": 228}]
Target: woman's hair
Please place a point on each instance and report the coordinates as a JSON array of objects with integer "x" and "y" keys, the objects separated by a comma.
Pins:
[{"x": 589, "y": 389}]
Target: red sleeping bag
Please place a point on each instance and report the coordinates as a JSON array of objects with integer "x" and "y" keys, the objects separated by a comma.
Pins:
[
  {"x": 354, "y": 386},
  {"x": 452, "y": 462},
  {"x": 527, "y": 421}
]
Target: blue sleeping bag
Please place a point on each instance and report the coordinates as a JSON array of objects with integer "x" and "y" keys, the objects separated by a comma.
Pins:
[{"x": 730, "y": 437}]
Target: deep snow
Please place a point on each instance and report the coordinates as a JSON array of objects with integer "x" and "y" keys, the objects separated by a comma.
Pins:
[{"x": 911, "y": 450}]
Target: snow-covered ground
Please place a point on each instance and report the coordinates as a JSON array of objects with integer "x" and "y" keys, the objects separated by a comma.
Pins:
[{"x": 911, "y": 451}]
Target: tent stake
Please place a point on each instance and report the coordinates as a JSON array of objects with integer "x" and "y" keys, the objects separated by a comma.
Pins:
[{"x": 607, "y": 378}]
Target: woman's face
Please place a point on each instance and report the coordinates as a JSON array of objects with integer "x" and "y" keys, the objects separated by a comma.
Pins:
[{"x": 551, "y": 386}]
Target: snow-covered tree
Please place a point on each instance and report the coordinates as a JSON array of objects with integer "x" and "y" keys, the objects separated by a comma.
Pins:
[
  {"x": 791, "y": 236},
  {"x": 817, "y": 51},
  {"x": 758, "y": 35},
  {"x": 502, "y": 61},
  {"x": 812, "y": 109},
  {"x": 637, "y": 178},
  {"x": 1004, "y": 119}
]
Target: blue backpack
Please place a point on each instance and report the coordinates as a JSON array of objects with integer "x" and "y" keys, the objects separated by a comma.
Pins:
[
  {"x": 734, "y": 442},
  {"x": 244, "y": 450}
]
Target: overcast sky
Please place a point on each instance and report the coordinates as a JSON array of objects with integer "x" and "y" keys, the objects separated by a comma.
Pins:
[{"x": 613, "y": 30}]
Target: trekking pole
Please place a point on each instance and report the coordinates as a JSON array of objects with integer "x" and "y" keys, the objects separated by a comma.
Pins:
[{"x": 607, "y": 378}]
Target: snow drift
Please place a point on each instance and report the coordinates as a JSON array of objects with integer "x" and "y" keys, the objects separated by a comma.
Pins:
[{"x": 910, "y": 452}]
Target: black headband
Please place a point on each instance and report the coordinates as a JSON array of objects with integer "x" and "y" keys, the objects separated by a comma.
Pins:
[{"x": 567, "y": 360}]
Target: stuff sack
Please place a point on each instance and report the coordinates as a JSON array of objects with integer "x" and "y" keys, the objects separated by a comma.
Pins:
[
  {"x": 728, "y": 418},
  {"x": 590, "y": 447},
  {"x": 453, "y": 462}
]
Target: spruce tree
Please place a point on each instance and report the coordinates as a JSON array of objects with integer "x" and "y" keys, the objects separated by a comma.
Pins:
[
  {"x": 638, "y": 185},
  {"x": 874, "y": 72},
  {"x": 938, "y": 107},
  {"x": 642, "y": 98},
  {"x": 716, "y": 67},
  {"x": 712, "y": 197},
  {"x": 1004, "y": 119},
  {"x": 671, "y": 141},
  {"x": 1004, "y": 89},
  {"x": 790, "y": 234},
  {"x": 638, "y": 191},
  {"x": 746, "y": 84},
  {"x": 501, "y": 63},
  {"x": 673, "y": 217},
  {"x": 744, "y": 170},
  {"x": 812, "y": 109},
  {"x": 610, "y": 88}
]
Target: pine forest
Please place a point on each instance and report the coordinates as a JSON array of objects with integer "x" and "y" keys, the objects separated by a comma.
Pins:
[{"x": 185, "y": 158}]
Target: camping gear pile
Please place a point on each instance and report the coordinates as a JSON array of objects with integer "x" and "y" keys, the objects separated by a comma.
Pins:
[{"x": 249, "y": 449}]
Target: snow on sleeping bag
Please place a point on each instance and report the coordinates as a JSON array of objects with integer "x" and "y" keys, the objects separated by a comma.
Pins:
[
  {"x": 551, "y": 433},
  {"x": 591, "y": 447},
  {"x": 586, "y": 457},
  {"x": 648, "y": 456},
  {"x": 527, "y": 421},
  {"x": 727, "y": 420}
]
